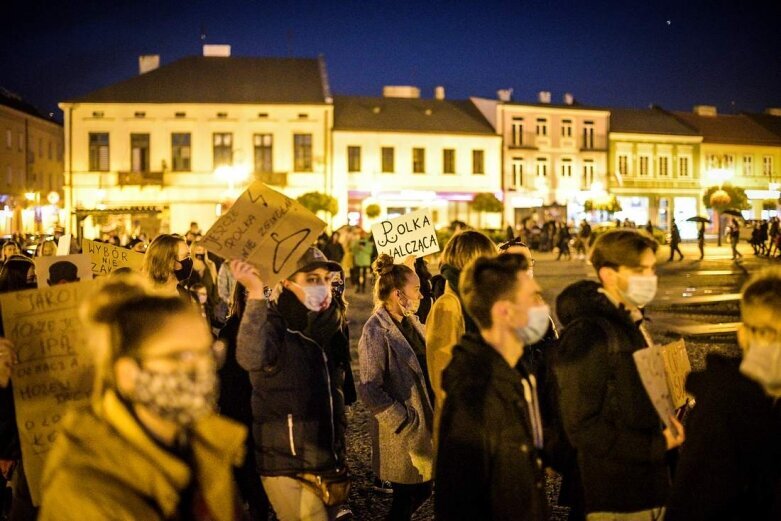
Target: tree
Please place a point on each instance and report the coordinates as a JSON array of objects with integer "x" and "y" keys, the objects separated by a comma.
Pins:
[
  {"x": 373, "y": 211},
  {"x": 609, "y": 204},
  {"x": 318, "y": 202},
  {"x": 714, "y": 198},
  {"x": 486, "y": 202}
]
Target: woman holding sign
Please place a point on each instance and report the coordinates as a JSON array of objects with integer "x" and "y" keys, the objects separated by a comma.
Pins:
[{"x": 396, "y": 389}]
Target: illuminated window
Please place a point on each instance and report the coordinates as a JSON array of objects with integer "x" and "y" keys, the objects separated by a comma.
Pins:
[
  {"x": 263, "y": 145},
  {"x": 139, "y": 152},
  {"x": 222, "y": 149}
]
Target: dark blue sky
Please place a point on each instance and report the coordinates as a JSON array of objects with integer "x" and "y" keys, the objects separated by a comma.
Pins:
[{"x": 616, "y": 53}]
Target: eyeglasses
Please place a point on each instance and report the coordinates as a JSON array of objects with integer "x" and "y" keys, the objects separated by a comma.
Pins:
[{"x": 764, "y": 334}]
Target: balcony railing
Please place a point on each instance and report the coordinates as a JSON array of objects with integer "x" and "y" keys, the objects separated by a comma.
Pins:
[
  {"x": 139, "y": 178},
  {"x": 272, "y": 178}
]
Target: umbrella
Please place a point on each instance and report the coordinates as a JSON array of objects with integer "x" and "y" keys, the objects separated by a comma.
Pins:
[
  {"x": 698, "y": 219},
  {"x": 733, "y": 212}
]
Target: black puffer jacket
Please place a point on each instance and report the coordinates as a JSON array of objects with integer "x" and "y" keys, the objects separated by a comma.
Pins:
[
  {"x": 730, "y": 465},
  {"x": 297, "y": 392},
  {"x": 607, "y": 414}
]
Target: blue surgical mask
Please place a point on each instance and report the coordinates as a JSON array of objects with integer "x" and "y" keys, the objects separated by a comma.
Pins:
[{"x": 536, "y": 326}]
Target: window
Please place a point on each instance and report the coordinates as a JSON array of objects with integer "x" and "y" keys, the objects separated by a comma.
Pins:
[
  {"x": 588, "y": 174},
  {"x": 302, "y": 152},
  {"x": 517, "y": 180},
  {"x": 542, "y": 127},
  {"x": 139, "y": 152},
  {"x": 566, "y": 167},
  {"x": 222, "y": 115},
  {"x": 264, "y": 149},
  {"x": 262, "y": 115},
  {"x": 713, "y": 161},
  {"x": 517, "y": 132},
  {"x": 180, "y": 151},
  {"x": 98, "y": 152},
  {"x": 478, "y": 160},
  {"x": 180, "y": 114},
  {"x": 140, "y": 115},
  {"x": 388, "y": 160},
  {"x": 98, "y": 114},
  {"x": 21, "y": 141},
  {"x": 353, "y": 159},
  {"x": 449, "y": 161},
  {"x": 9, "y": 138},
  {"x": 767, "y": 166},
  {"x": 729, "y": 161},
  {"x": 683, "y": 167},
  {"x": 588, "y": 134},
  {"x": 664, "y": 166},
  {"x": 418, "y": 160},
  {"x": 643, "y": 166},
  {"x": 566, "y": 128},
  {"x": 748, "y": 165},
  {"x": 222, "y": 149},
  {"x": 623, "y": 165},
  {"x": 542, "y": 167}
]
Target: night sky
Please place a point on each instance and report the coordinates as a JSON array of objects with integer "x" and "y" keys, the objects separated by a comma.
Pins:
[{"x": 674, "y": 54}]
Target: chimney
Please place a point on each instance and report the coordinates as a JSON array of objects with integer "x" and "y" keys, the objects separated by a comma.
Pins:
[
  {"x": 505, "y": 95},
  {"x": 222, "y": 51},
  {"x": 705, "y": 110},
  {"x": 543, "y": 96},
  {"x": 439, "y": 92},
  {"x": 400, "y": 91},
  {"x": 148, "y": 62},
  {"x": 773, "y": 111},
  {"x": 569, "y": 99}
]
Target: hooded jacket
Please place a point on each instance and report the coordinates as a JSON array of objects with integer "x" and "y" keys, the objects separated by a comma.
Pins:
[
  {"x": 607, "y": 414},
  {"x": 730, "y": 468},
  {"x": 487, "y": 464}
]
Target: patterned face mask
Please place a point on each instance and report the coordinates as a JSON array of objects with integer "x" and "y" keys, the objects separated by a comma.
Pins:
[{"x": 182, "y": 397}]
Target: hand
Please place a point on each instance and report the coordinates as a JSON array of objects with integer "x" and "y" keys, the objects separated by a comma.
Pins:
[
  {"x": 249, "y": 277},
  {"x": 674, "y": 440},
  {"x": 7, "y": 361}
]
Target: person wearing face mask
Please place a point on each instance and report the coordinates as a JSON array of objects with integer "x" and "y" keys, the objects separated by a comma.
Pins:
[
  {"x": 491, "y": 439},
  {"x": 168, "y": 265},
  {"x": 149, "y": 445},
  {"x": 295, "y": 346},
  {"x": 609, "y": 419},
  {"x": 395, "y": 387},
  {"x": 731, "y": 466}
]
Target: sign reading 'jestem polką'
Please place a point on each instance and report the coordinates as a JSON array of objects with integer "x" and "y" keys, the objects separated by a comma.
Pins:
[{"x": 409, "y": 234}]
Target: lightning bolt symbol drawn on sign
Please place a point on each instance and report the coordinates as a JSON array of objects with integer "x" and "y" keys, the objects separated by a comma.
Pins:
[
  {"x": 295, "y": 239},
  {"x": 256, "y": 198}
]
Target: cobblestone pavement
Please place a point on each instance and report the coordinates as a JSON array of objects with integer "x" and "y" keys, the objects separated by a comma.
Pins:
[{"x": 716, "y": 274}]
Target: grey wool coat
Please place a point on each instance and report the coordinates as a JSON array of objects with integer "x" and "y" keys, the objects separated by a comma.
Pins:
[{"x": 393, "y": 387}]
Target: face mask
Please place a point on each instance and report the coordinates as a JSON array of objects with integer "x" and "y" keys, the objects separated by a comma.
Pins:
[
  {"x": 536, "y": 326},
  {"x": 316, "y": 298},
  {"x": 762, "y": 363},
  {"x": 184, "y": 272},
  {"x": 182, "y": 397},
  {"x": 640, "y": 290},
  {"x": 411, "y": 307}
]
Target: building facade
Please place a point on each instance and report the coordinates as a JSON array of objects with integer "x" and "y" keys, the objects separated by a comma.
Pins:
[{"x": 178, "y": 143}]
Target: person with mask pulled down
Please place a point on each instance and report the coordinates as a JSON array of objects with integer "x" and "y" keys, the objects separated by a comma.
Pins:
[
  {"x": 395, "y": 387},
  {"x": 608, "y": 417},
  {"x": 149, "y": 445},
  {"x": 295, "y": 346},
  {"x": 730, "y": 468},
  {"x": 168, "y": 265},
  {"x": 490, "y": 440}
]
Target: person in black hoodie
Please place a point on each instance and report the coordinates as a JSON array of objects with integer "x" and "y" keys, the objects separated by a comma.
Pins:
[
  {"x": 730, "y": 466},
  {"x": 607, "y": 414},
  {"x": 490, "y": 440}
]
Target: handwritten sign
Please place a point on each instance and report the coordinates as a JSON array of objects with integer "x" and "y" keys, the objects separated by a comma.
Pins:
[
  {"x": 410, "y": 234},
  {"x": 105, "y": 257},
  {"x": 55, "y": 369},
  {"x": 265, "y": 228},
  {"x": 650, "y": 366},
  {"x": 677, "y": 369},
  {"x": 52, "y": 271}
]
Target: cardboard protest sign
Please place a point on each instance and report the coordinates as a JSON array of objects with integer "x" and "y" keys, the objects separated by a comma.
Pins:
[
  {"x": 64, "y": 246},
  {"x": 651, "y": 367},
  {"x": 55, "y": 369},
  {"x": 265, "y": 228},
  {"x": 51, "y": 271},
  {"x": 409, "y": 234},
  {"x": 105, "y": 257},
  {"x": 677, "y": 369}
]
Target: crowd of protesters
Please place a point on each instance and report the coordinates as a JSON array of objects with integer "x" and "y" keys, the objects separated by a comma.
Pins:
[{"x": 474, "y": 394}]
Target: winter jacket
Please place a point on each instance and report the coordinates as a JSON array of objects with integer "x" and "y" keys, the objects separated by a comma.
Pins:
[
  {"x": 393, "y": 387},
  {"x": 297, "y": 393},
  {"x": 487, "y": 464},
  {"x": 607, "y": 414},
  {"x": 105, "y": 466},
  {"x": 730, "y": 465}
]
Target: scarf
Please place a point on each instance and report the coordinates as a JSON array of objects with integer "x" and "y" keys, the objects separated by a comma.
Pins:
[{"x": 319, "y": 326}]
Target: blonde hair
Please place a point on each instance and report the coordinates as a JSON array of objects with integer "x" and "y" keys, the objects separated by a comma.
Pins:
[
  {"x": 466, "y": 246},
  {"x": 763, "y": 289},
  {"x": 160, "y": 257}
]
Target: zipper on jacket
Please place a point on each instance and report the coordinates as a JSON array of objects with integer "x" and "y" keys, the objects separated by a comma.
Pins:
[{"x": 290, "y": 434}]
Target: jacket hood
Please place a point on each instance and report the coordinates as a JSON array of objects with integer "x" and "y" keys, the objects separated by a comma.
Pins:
[{"x": 583, "y": 299}]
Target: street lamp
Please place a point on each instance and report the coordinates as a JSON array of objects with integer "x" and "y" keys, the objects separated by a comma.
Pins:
[
  {"x": 720, "y": 176},
  {"x": 232, "y": 175}
]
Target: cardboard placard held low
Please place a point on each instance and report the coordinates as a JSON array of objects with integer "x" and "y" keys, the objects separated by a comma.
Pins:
[
  {"x": 409, "y": 234},
  {"x": 106, "y": 258},
  {"x": 663, "y": 371},
  {"x": 51, "y": 271},
  {"x": 265, "y": 228},
  {"x": 677, "y": 368},
  {"x": 55, "y": 369}
]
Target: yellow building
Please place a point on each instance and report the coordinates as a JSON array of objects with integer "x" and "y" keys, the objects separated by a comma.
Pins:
[
  {"x": 30, "y": 167},
  {"x": 402, "y": 152},
  {"x": 654, "y": 168},
  {"x": 175, "y": 143}
]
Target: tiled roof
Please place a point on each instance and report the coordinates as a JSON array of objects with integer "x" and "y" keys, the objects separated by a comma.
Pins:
[
  {"x": 409, "y": 115},
  {"x": 201, "y": 79},
  {"x": 648, "y": 121},
  {"x": 16, "y": 102},
  {"x": 768, "y": 121},
  {"x": 733, "y": 129}
]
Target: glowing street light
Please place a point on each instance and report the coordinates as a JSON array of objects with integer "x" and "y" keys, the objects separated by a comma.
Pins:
[{"x": 231, "y": 174}]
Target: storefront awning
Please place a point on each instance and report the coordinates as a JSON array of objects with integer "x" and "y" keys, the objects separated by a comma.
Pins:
[{"x": 83, "y": 213}]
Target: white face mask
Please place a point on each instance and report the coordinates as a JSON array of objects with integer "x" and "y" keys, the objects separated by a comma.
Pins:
[
  {"x": 411, "y": 307},
  {"x": 640, "y": 289},
  {"x": 317, "y": 298},
  {"x": 762, "y": 363},
  {"x": 536, "y": 326}
]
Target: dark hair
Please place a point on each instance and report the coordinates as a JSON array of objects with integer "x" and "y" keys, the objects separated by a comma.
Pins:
[
  {"x": 621, "y": 247},
  {"x": 487, "y": 280},
  {"x": 506, "y": 245},
  {"x": 390, "y": 277},
  {"x": 13, "y": 274},
  {"x": 764, "y": 289}
]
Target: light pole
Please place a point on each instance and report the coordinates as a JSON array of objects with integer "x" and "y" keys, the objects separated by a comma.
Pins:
[{"x": 720, "y": 176}]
